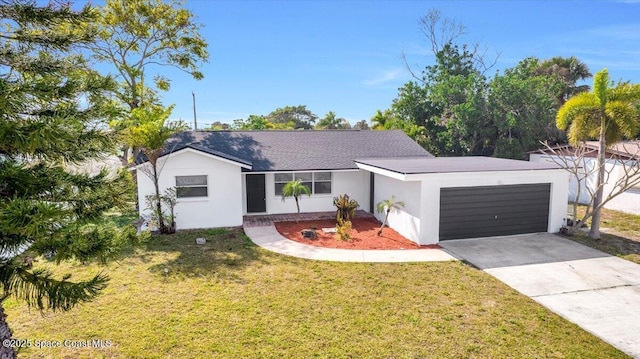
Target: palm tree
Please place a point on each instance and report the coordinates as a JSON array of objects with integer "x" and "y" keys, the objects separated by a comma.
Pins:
[
  {"x": 569, "y": 70},
  {"x": 148, "y": 130},
  {"x": 381, "y": 120},
  {"x": 295, "y": 189},
  {"x": 329, "y": 122},
  {"x": 417, "y": 133},
  {"x": 387, "y": 206},
  {"x": 608, "y": 113}
]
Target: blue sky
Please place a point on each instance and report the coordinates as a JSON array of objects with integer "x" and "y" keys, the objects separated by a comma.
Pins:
[{"x": 345, "y": 56}]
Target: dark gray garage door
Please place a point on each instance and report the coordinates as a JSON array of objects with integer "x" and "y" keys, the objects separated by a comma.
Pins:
[{"x": 468, "y": 212}]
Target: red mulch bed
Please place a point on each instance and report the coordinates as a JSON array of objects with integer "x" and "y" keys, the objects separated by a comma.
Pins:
[{"x": 363, "y": 235}]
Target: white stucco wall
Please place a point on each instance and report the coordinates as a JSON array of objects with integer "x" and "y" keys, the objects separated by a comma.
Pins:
[
  {"x": 223, "y": 205},
  {"x": 432, "y": 183},
  {"x": 406, "y": 220},
  {"x": 628, "y": 201},
  {"x": 354, "y": 183}
]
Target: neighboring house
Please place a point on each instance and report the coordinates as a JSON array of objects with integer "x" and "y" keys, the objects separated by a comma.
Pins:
[
  {"x": 618, "y": 155},
  {"x": 224, "y": 175}
]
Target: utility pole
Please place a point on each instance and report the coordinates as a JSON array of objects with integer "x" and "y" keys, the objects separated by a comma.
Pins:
[{"x": 195, "y": 120}]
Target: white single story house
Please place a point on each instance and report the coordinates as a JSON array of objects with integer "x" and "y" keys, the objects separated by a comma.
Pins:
[
  {"x": 618, "y": 156},
  {"x": 222, "y": 176}
]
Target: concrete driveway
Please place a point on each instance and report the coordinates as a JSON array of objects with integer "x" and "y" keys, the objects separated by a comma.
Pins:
[{"x": 598, "y": 292}]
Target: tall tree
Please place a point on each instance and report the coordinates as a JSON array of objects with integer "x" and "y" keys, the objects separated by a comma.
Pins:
[
  {"x": 381, "y": 120},
  {"x": 253, "y": 122},
  {"x": 136, "y": 37},
  {"x": 219, "y": 126},
  {"x": 332, "y": 122},
  {"x": 522, "y": 109},
  {"x": 361, "y": 125},
  {"x": 149, "y": 130},
  {"x": 447, "y": 104},
  {"x": 300, "y": 116},
  {"x": 451, "y": 108},
  {"x": 608, "y": 113},
  {"x": 569, "y": 70},
  {"x": 442, "y": 32},
  {"x": 52, "y": 112}
]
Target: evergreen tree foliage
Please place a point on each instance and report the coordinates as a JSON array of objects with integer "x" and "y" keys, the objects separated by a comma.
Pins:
[
  {"x": 137, "y": 40},
  {"x": 53, "y": 117},
  {"x": 455, "y": 110}
]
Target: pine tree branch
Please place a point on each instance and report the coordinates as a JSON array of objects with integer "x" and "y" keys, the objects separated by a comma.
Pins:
[{"x": 39, "y": 289}]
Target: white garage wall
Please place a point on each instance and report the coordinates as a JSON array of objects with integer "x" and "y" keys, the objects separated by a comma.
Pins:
[
  {"x": 354, "y": 183},
  {"x": 432, "y": 183},
  {"x": 223, "y": 205},
  {"x": 405, "y": 221}
]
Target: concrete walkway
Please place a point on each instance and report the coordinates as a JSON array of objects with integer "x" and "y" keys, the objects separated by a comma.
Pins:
[
  {"x": 597, "y": 291},
  {"x": 267, "y": 236}
]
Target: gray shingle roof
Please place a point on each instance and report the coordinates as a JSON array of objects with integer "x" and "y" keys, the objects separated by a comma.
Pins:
[
  {"x": 454, "y": 164},
  {"x": 298, "y": 150}
]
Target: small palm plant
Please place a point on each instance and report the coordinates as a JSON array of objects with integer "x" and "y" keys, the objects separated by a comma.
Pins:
[
  {"x": 387, "y": 206},
  {"x": 295, "y": 189},
  {"x": 346, "y": 207}
]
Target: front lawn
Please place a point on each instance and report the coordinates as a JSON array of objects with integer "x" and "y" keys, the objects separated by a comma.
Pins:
[
  {"x": 620, "y": 234},
  {"x": 231, "y": 299}
]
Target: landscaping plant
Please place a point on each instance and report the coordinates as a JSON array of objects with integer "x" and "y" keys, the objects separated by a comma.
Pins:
[
  {"x": 295, "y": 189},
  {"x": 387, "y": 206},
  {"x": 346, "y": 207},
  {"x": 54, "y": 115},
  {"x": 608, "y": 113},
  {"x": 166, "y": 213},
  {"x": 148, "y": 129},
  {"x": 343, "y": 229}
]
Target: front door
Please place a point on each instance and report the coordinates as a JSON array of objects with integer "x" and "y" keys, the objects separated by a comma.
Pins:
[{"x": 256, "y": 196}]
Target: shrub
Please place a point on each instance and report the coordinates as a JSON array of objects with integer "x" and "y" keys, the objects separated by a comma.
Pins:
[
  {"x": 343, "y": 230},
  {"x": 346, "y": 208},
  {"x": 163, "y": 206}
]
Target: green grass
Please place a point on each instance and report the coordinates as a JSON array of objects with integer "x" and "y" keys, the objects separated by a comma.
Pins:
[
  {"x": 620, "y": 234},
  {"x": 231, "y": 299},
  {"x": 122, "y": 218}
]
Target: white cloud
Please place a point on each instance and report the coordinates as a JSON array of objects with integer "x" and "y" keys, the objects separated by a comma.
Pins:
[{"x": 384, "y": 77}]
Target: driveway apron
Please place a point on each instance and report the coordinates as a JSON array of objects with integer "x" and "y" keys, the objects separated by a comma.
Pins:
[{"x": 597, "y": 291}]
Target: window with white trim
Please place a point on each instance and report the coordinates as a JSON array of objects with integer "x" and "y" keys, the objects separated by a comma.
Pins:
[
  {"x": 318, "y": 182},
  {"x": 322, "y": 182},
  {"x": 191, "y": 186}
]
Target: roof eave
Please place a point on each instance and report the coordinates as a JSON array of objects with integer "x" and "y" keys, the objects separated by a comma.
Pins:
[
  {"x": 226, "y": 159},
  {"x": 381, "y": 171}
]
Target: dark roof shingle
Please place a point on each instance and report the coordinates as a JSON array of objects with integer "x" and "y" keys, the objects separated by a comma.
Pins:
[{"x": 298, "y": 150}]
